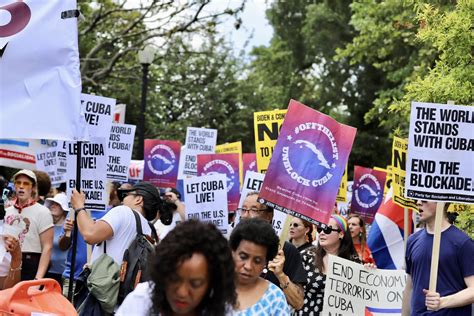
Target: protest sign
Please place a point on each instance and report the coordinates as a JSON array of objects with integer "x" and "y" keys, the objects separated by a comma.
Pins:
[
  {"x": 267, "y": 126},
  {"x": 227, "y": 164},
  {"x": 367, "y": 192},
  {"x": 161, "y": 162},
  {"x": 93, "y": 178},
  {"x": 388, "y": 178},
  {"x": 440, "y": 153},
  {"x": 307, "y": 164},
  {"x": 352, "y": 289},
  {"x": 232, "y": 148},
  {"x": 46, "y": 161},
  {"x": 342, "y": 191},
  {"x": 135, "y": 170},
  {"x": 98, "y": 114},
  {"x": 43, "y": 92},
  {"x": 119, "y": 151},
  {"x": 21, "y": 153},
  {"x": 119, "y": 113},
  {"x": 206, "y": 200},
  {"x": 249, "y": 163},
  {"x": 343, "y": 207},
  {"x": 198, "y": 141},
  {"x": 399, "y": 158}
]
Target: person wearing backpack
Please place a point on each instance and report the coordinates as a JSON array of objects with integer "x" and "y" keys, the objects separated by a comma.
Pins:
[{"x": 116, "y": 233}]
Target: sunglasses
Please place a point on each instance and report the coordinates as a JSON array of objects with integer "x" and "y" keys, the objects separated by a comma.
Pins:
[
  {"x": 327, "y": 230},
  {"x": 294, "y": 225},
  {"x": 123, "y": 194},
  {"x": 19, "y": 183}
]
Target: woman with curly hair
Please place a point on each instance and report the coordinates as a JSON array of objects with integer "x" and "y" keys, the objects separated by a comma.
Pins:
[
  {"x": 254, "y": 243},
  {"x": 192, "y": 274},
  {"x": 301, "y": 233},
  {"x": 335, "y": 240},
  {"x": 359, "y": 238}
]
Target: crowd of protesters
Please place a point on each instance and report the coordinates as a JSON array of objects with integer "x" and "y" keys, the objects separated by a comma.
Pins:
[{"x": 195, "y": 270}]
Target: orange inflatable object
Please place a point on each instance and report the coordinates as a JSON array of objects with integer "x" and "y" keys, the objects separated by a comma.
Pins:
[{"x": 25, "y": 298}]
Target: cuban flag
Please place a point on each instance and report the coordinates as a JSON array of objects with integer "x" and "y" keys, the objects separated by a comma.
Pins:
[
  {"x": 372, "y": 311},
  {"x": 386, "y": 235}
]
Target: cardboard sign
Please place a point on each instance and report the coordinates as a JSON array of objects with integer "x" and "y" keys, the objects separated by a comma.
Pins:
[
  {"x": 307, "y": 164},
  {"x": 119, "y": 151},
  {"x": 162, "y": 162},
  {"x": 93, "y": 178},
  {"x": 40, "y": 78},
  {"x": 267, "y": 126},
  {"x": 232, "y": 148},
  {"x": 98, "y": 112},
  {"x": 227, "y": 164},
  {"x": 206, "y": 200},
  {"x": 352, "y": 289},
  {"x": 367, "y": 192},
  {"x": 198, "y": 141},
  {"x": 399, "y": 161},
  {"x": 249, "y": 163},
  {"x": 440, "y": 153}
]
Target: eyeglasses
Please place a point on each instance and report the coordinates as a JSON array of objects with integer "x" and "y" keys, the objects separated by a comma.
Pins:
[
  {"x": 19, "y": 183},
  {"x": 252, "y": 211},
  {"x": 294, "y": 225},
  {"x": 327, "y": 230},
  {"x": 122, "y": 194}
]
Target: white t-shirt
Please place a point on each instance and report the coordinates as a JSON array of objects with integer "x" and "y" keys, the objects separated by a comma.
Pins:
[
  {"x": 122, "y": 222},
  {"x": 137, "y": 302},
  {"x": 163, "y": 230},
  {"x": 5, "y": 257},
  {"x": 34, "y": 219}
]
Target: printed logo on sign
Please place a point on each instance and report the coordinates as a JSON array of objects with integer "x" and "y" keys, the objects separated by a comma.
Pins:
[
  {"x": 368, "y": 191},
  {"x": 325, "y": 154},
  {"x": 253, "y": 165},
  {"x": 215, "y": 167},
  {"x": 161, "y": 159},
  {"x": 15, "y": 17}
]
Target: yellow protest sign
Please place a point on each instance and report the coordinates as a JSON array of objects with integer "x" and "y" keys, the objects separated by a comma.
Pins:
[
  {"x": 342, "y": 192},
  {"x": 267, "y": 126},
  {"x": 232, "y": 148},
  {"x": 399, "y": 158}
]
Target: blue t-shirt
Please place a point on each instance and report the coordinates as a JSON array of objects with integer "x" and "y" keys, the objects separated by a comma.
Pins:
[
  {"x": 456, "y": 258},
  {"x": 81, "y": 251},
  {"x": 58, "y": 256}
]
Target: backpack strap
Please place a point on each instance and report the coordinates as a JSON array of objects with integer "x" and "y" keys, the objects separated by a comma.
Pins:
[
  {"x": 138, "y": 222},
  {"x": 154, "y": 234}
]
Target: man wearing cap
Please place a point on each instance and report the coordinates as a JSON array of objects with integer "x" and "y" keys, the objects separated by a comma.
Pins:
[
  {"x": 34, "y": 224},
  {"x": 117, "y": 227},
  {"x": 286, "y": 269},
  {"x": 162, "y": 225}
]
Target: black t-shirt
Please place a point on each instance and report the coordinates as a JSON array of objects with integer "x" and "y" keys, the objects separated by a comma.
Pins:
[{"x": 293, "y": 266}]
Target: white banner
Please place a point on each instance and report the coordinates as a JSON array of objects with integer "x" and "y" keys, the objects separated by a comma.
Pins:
[
  {"x": 198, "y": 141},
  {"x": 119, "y": 113},
  {"x": 135, "y": 170},
  {"x": 440, "y": 153},
  {"x": 98, "y": 114},
  {"x": 206, "y": 200},
  {"x": 21, "y": 153},
  {"x": 351, "y": 289},
  {"x": 93, "y": 177},
  {"x": 40, "y": 78},
  {"x": 120, "y": 151}
]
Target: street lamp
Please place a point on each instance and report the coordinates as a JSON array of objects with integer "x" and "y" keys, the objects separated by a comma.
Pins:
[{"x": 145, "y": 57}]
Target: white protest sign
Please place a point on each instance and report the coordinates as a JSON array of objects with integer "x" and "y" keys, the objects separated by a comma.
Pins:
[
  {"x": 198, "y": 141},
  {"x": 61, "y": 157},
  {"x": 206, "y": 200},
  {"x": 119, "y": 151},
  {"x": 119, "y": 113},
  {"x": 21, "y": 153},
  {"x": 93, "y": 177},
  {"x": 252, "y": 183},
  {"x": 46, "y": 160},
  {"x": 40, "y": 77},
  {"x": 98, "y": 113},
  {"x": 352, "y": 289},
  {"x": 440, "y": 153},
  {"x": 135, "y": 169}
]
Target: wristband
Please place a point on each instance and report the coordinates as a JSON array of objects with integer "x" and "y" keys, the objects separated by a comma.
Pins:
[
  {"x": 17, "y": 268},
  {"x": 79, "y": 209}
]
